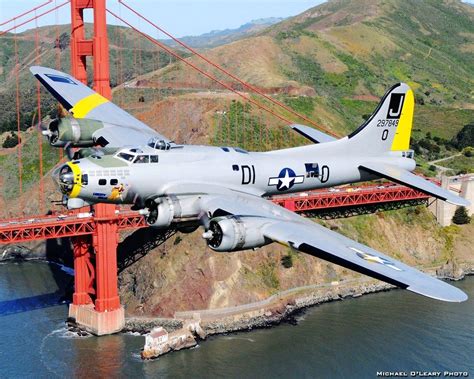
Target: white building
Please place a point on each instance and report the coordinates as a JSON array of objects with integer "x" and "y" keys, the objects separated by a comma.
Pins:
[{"x": 157, "y": 337}]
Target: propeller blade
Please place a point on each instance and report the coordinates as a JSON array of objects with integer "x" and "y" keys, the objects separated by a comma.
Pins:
[
  {"x": 69, "y": 151},
  {"x": 204, "y": 220}
]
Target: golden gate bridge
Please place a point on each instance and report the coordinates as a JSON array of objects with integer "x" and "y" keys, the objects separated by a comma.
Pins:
[{"x": 95, "y": 235}]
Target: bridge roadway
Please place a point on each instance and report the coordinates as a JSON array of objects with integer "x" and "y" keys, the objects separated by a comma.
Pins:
[{"x": 76, "y": 224}]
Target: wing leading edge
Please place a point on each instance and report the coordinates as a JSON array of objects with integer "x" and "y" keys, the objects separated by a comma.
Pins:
[
  {"x": 290, "y": 229},
  {"x": 405, "y": 177},
  {"x": 83, "y": 102}
]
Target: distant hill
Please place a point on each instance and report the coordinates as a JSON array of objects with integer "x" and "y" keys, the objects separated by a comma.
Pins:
[
  {"x": 221, "y": 37},
  {"x": 334, "y": 60}
]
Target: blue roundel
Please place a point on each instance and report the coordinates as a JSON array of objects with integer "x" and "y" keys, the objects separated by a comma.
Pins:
[
  {"x": 285, "y": 179},
  {"x": 282, "y": 173}
]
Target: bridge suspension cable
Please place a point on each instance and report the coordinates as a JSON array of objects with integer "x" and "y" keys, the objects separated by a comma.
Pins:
[
  {"x": 15, "y": 27},
  {"x": 39, "y": 118},
  {"x": 26, "y": 13},
  {"x": 226, "y": 72},
  {"x": 209, "y": 76}
]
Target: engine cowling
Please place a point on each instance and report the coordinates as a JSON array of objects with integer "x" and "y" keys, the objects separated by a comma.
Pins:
[
  {"x": 234, "y": 233},
  {"x": 162, "y": 211},
  {"x": 73, "y": 132}
]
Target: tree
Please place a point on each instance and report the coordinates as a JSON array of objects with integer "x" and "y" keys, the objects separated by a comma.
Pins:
[
  {"x": 465, "y": 137},
  {"x": 468, "y": 152},
  {"x": 10, "y": 141},
  {"x": 461, "y": 216},
  {"x": 287, "y": 261}
]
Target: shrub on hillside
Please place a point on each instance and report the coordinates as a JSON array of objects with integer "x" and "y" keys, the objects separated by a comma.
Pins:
[
  {"x": 287, "y": 261},
  {"x": 468, "y": 152},
  {"x": 465, "y": 137},
  {"x": 461, "y": 216},
  {"x": 10, "y": 141}
]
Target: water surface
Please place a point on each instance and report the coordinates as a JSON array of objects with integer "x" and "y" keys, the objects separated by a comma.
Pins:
[{"x": 388, "y": 331}]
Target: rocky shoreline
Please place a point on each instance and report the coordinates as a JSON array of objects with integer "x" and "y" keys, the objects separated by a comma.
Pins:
[
  {"x": 275, "y": 313},
  {"x": 285, "y": 311}
]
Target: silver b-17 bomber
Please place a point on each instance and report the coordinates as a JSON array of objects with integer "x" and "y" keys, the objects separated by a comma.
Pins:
[{"x": 123, "y": 161}]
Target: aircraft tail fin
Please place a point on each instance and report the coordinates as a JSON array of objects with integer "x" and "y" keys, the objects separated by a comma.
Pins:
[{"x": 389, "y": 127}]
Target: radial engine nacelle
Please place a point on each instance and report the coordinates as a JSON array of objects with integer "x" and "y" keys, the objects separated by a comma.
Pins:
[
  {"x": 72, "y": 132},
  {"x": 161, "y": 212},
  {"x": 234, "y": 233}
]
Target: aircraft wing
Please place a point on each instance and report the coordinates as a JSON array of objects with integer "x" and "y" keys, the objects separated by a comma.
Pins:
[
  {"x": 405, "y": 177},
  {"x": 290, "y": 229},
  {"x": 83, "y": 102}
]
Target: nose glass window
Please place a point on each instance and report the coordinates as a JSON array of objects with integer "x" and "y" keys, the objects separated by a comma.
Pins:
[
  {"x": 127, "y": 157},
  {"x": 66, "y": 179}
]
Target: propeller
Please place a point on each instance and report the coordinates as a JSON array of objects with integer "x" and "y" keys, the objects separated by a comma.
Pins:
[
  {"x": 205, "y": 221},
  {"x": 69, "y": 151}
]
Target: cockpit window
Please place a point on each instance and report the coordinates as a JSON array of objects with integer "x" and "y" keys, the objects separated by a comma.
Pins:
[
  {"x": 127, "y": 157},
  {"x": 158, "y": 144},
  {"x": 142, "y": 159}
]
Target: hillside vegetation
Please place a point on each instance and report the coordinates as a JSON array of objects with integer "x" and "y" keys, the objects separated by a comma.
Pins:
[{"x": 334, "y": 61}]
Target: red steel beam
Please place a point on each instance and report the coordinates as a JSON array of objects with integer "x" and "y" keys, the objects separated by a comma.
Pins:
[
  {"x": 322, "y": 200},
  {"x": 47, "y": 227}
]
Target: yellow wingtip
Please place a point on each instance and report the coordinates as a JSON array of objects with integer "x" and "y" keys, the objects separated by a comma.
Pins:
[{"x": 88, "y": 103}]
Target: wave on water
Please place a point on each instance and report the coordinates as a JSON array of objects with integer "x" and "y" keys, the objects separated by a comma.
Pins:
[
  {"x": 248, "y": 339},
  {"x": 66, "y": 333},
  {"x": 138, "y": 358}
]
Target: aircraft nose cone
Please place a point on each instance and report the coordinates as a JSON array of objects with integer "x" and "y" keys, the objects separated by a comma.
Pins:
[{"x": 64, "y": 177}]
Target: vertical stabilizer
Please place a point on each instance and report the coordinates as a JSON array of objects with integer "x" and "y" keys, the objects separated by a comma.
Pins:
[{"x": 389, "y": 127}]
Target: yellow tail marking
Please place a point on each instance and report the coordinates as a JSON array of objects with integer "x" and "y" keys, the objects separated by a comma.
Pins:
[
  {"x": 76, "y": 171},
  {"x": 85, "y": 105},
  {"x": 401, "y": 141}
]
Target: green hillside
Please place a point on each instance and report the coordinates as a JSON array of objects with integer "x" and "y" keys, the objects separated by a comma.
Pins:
[
  {"x": 344, "y": 48},
  {"x": 334, "y": 61}
]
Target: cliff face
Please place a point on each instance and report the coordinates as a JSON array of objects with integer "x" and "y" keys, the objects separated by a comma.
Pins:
[{"x": 183, "y": 274}]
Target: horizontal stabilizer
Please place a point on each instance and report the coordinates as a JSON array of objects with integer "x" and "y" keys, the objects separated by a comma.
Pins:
[
  {"x": 312, "y": 134},
  {"x": 405, "y": 177}
]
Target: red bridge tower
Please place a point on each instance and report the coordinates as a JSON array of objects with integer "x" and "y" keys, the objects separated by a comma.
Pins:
[{"x": 96, "y": 304}]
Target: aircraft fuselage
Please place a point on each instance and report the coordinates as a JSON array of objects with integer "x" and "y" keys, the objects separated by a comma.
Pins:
[{"x": 151, "y": 173}]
